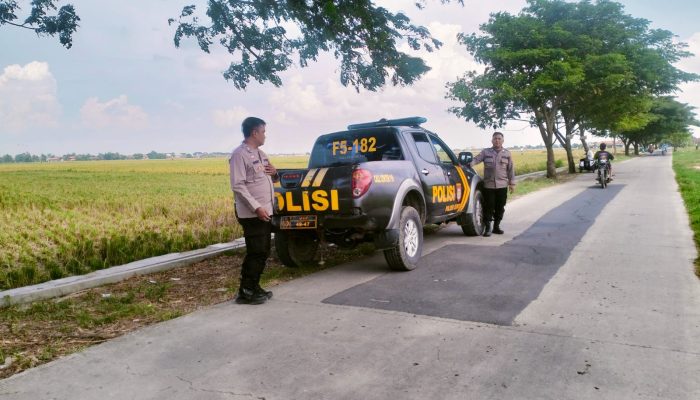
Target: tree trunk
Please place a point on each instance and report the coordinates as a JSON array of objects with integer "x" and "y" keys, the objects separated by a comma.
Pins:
[
  {"x": 569, "y": 126},
  {"x": 570, "y": 155},
  {"x": 545, "y": 122},
  {"x": 636, "y": 148},
  {"x": 625, "y": 145},
  {"x": 584, "y": 143}
]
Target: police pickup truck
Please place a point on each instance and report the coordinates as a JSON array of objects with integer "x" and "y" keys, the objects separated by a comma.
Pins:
[{"x": 375, "y": 182}]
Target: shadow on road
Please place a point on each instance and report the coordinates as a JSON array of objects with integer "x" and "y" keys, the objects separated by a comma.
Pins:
[{"x": 486, "y": 283}]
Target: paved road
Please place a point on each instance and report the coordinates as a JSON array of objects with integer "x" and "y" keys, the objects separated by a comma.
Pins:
[{"x": 590, "y": 294}]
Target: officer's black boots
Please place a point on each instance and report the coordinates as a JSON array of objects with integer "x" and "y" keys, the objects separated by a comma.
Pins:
[
  {"x": 268, "y": 293},
  {"x": 497, "y": 228},
  {"x": 487, "y": 229},
  {"x": 251, "y": 296}
]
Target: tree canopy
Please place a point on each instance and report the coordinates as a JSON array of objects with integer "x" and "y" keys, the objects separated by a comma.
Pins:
[
  {"x": 260, "y": 35},
  {"x": 64, "y": 23},
  {"x": 563, "y": 63},
  {"x": 668, "y": 121}
]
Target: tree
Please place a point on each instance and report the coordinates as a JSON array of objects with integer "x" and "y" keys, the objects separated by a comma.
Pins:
[
  {"x": 669, "y": 121},
  {"x": 564, "y": 65},
  {"x": 362, "y": 36},
  {"x": 23, "y": 157},
  {"x": 64, "y": 23},
  {"x": 154, "y": 155},
  {"x": 679, "y": 139},
  {"x": 7, "y": 159}
]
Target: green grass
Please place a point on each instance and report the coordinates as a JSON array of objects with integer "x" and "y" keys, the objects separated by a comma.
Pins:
[
  {"x": 530, "y": 185},
  {"x": 686, "y": 164},
  {"x": 527, "y": 161}
]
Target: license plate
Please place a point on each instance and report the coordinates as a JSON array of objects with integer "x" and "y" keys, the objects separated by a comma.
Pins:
[{"x": 298, "y": 222}]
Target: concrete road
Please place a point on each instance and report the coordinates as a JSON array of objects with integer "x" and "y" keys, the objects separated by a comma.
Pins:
[{"x": 590, "y": 294}]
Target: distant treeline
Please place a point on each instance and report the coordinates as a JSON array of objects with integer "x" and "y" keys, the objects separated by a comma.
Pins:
[{"x": 153, "y": 155}]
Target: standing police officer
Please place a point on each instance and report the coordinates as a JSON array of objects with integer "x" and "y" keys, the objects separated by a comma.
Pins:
[
  {"x": 499, "y": 177},
  {"x": 251, "y": 181}
]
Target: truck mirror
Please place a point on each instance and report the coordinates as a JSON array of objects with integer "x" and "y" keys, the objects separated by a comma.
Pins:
[{"x": 465, "y": 157}]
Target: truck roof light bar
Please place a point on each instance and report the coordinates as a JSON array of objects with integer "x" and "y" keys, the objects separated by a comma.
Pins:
[{"x": 409, "y": 121}]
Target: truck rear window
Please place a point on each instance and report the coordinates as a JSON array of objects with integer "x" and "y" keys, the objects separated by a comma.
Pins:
[{"x": 353, "y": 147}]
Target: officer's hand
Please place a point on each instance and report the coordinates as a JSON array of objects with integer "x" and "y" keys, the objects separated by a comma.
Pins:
[
  {"x": 270, "y": 170},
  {"x": 511, "y": 188},
  {"x": 262, "y": 214}
]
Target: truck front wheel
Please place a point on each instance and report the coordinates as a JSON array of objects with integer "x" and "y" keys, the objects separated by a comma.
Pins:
[
  {"x": 295, "y": 250},
  {"x": 473, "y": 223},
  {"x": 405, "y": 255}
]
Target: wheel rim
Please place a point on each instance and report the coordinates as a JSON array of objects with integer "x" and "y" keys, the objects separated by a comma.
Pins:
[
  {"x": 410, "y": 238},
  {"x": 478, "y": 214}
]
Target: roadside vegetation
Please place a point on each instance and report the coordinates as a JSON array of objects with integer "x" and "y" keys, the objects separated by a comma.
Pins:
[
  {"x": 42, "y": 331},
  {"x": 72, "y": 218},
  {"x": 686, "y": 164}
]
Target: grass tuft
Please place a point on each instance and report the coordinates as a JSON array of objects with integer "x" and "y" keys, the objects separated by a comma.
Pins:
[{"x": 686, "y": 164}]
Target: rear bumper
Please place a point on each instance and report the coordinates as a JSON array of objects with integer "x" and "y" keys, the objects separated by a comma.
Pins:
[{"x": 361, "y": 222}]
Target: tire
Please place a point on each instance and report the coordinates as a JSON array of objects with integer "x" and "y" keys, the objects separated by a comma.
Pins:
[
  {"x": 604, "y": 178},
  {"x": 405, "y": 255},
  {"x": 295, "y": 250},
  {"x": 473, "y": 223}
]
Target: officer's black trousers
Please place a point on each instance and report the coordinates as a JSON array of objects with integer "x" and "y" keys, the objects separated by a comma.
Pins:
[
  {"x": 257, "y": 235},
  {"x": 495, "y": 204}
]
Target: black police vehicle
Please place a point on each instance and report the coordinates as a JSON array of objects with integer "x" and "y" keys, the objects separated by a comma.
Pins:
[{"x": 380, "y": 182}]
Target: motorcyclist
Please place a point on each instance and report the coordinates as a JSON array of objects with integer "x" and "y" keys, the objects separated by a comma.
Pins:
[{"x": 603, "y": 154}]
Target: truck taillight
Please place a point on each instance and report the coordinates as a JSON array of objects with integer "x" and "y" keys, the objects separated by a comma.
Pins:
[{"x": 361, "y": 180}]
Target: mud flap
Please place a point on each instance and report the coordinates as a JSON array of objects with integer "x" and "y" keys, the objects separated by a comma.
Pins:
[{"x": 386, "y": 239}]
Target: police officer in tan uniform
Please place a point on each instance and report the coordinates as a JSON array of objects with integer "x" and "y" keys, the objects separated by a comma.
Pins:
[
  {"x": 252, "y": 175},
  {"x": 499, "y": 177}
]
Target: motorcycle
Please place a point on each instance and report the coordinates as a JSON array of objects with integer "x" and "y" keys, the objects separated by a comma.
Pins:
[
  {"x": 603, "y": 168},
  {"x": 586, "y": 164}
]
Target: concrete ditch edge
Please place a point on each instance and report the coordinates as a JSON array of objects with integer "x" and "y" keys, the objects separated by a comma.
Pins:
[{"x": 72, "y": 284}]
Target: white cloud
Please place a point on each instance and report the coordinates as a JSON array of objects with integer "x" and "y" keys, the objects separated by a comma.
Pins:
[
  {"x": 312, "y": 100},
  {"x": 230, "y": 118},
  {"x": 114, "y": 114},
  {"x": 28, "y": 97},
  {"x": 211, "y": 62},
  {"x": 692, "y": 64},
  {"x": 690, "y": 92}
]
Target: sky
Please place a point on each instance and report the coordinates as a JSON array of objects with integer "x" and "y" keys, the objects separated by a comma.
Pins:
[{"x": 124, "y": 87}]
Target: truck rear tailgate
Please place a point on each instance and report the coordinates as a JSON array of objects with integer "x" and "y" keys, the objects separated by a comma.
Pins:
[{"x": 306, "y": 193}]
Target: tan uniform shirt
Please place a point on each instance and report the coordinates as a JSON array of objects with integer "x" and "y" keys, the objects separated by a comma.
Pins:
[
  {"x": 499, "y": 171},
  {"x": 252, "y": 188}
]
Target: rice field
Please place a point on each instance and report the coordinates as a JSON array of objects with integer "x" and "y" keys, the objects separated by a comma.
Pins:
[{"x": 72, "y": 218}]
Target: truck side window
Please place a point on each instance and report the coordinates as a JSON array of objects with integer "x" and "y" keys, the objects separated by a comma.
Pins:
[
  {"x": 424, "y": 147},
  {"x": 444, "y": 153}
]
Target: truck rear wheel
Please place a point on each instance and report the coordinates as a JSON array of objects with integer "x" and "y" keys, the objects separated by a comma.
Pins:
[
  {"x": 405, "y": 255},
  {"x": 473, "y": 223},
  {"x": 295, "y": 250}
]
